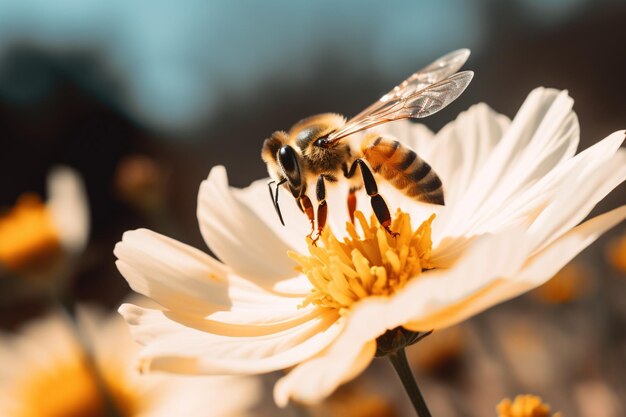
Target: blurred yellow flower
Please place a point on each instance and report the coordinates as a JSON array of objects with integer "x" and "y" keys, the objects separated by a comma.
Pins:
[
  {"x": 28, "y": 236},
  {"x": 36, "y": 238},
  {"x": 524, "y": 406},
  {"x": 616, "y": 253},
  {"x": 515, "y": 195},
  {"x": 569, "y": 284},
  {"x": 55, "y": 369}
]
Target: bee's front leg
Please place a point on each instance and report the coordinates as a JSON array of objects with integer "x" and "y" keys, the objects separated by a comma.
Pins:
[
  {"x": 352, "y": 202},
  {"x": 322, "y": 207},
  {"x": 348, "y": 173},
  {"x": 307, "y": 207}
]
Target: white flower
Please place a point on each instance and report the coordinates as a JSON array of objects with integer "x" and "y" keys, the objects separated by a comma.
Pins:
[
  {"x": 515, "y": 194},
  {"x": 41, "y": 241},
  {"x": 68, "y": 206},
  {"x": 54, "y": 368}
]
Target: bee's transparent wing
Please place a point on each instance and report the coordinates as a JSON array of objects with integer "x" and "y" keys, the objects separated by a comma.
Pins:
[
  {"x": 430, "y": 74},
  {"x": 418, "y": 104}
]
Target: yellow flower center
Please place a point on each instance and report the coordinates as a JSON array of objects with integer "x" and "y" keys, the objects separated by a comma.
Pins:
[
  {"x": 524, "y": 406},
  {"x": 370, "y": 263},
  {"x": 73, "y": 389},
  {"x": 28, "y": 236}
]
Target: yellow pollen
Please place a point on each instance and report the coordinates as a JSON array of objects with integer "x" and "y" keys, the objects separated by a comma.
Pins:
[
  {"x": 28, "y": 236},
  {"x": 370, "y": 263}
]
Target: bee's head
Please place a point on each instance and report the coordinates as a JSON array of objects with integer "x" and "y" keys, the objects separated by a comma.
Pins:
[
  {"x": 285, "y": 166},
  {"x": 284, "y": 163}
]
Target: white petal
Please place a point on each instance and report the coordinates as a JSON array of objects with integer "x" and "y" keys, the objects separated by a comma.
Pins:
[
  {"x": 553, "y": 204},
  {"x": 580, "y": 192},
  {"x": 529, "y": 203},
  {"x": 294, "y": 286},
  {"x": 173, "y": 274},
  {"x": 256, "y": 197},
  {"x": 238, "y": 236},
  {"x": 536, "y": 271},
  {"x": 542, "y": 136},
  {"x": 67, "y": 202},
  {"x": 174, "y": 347},
  {"x": 186, "y": 280},
  {"x": 309, "y": 387},
  {"x": 463, "y": 146}
]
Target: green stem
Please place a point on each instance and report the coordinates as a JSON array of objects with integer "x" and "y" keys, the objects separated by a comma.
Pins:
[{"x": 401, "y": 365}]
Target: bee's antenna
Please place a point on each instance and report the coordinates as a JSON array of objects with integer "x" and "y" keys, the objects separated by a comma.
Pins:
[{"x": 275, "y": 197}]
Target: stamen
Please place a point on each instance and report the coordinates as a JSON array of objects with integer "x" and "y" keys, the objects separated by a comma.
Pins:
[{"x": 366, "y": 263}]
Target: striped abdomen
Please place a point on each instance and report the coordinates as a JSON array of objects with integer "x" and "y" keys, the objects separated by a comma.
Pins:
[{"x": 402, "y": 167}]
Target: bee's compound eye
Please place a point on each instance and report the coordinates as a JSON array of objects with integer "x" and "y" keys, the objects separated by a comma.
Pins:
[
  {"x": 289, "y": 163},
  {"x": 287, "y": 159}
]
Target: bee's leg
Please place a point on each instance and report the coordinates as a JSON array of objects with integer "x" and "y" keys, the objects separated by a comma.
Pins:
[
  {"x": 352, "y": 201},
  {"x": 378, "y": 203},
  {"x": 275, "y": 197},
  {"x": 352, "y": 192},
  {"x": 307, "y": 208},
  {"x": 322, "y": 207}
]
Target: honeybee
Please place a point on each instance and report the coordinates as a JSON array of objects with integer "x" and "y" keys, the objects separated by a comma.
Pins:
[{"x": 318, "y": 147}]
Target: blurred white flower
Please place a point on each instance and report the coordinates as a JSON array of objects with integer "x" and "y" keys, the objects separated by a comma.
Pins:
[
  {"x": 515, "y": 193},
  {"x": 69, "y": 208},
  {"x": 41, "y": 241},
  {"x": 54, "y": 368}
]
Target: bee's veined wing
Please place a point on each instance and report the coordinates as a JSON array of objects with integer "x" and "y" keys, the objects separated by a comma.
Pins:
[
  {"x": 430, "y": 74},
  {"x": 414, "y": 104}
]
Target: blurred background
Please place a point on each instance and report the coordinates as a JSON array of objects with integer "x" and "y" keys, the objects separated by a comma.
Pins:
[{"x": 143, "y": 98}]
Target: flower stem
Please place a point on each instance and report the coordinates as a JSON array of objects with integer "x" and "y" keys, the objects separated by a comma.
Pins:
[{"x": 401, "y": 365}]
